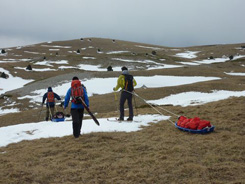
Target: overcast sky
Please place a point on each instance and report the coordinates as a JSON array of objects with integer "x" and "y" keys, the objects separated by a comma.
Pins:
[{"x": 174, "y": 23}]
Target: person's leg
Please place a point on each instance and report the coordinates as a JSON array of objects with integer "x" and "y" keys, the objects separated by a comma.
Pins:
[
  {"x": 75, "y": 122},
  {"x": 47, "y": 113},
  {"x": 81, "y": 112},
  {"x": 122, "y": 101},
  {"x": 130, "y": 106},
  {"x": 52, "y": 112}
]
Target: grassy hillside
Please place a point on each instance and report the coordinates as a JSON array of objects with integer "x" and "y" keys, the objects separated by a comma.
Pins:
[{"x": 159, "y": 153}]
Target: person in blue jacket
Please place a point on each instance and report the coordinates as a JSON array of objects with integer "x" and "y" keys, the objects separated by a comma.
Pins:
[
  {"x": 50, "y": 96},
  {"x": 77, "y": 109}
]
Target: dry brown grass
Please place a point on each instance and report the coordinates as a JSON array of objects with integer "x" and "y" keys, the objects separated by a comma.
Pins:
[
  {"x": 156, "y": 154},
  {"x": 159, "y": 153}
]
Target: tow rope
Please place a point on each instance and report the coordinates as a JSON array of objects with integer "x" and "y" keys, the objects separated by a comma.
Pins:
[{"x": 133, "y": 93}]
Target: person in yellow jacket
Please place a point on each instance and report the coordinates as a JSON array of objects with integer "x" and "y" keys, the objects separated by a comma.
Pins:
[{"x": 126, "y": 82}]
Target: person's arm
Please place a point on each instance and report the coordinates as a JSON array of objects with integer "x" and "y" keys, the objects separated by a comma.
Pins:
[
  {"x": 120, "y": 82},
  {"x": 44, "y": 98},
  {"x": 57, "y": 96},
  {"x": 86, "y": 100},
  {"x": 135, "y": 83},
  {"x": 67, "y": 98}
]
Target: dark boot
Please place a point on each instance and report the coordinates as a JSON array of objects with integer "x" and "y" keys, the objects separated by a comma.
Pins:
[{"x": 130, "y": 119}]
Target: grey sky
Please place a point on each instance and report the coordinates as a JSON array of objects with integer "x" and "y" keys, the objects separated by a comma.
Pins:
[{"x": 161, "y": 22}]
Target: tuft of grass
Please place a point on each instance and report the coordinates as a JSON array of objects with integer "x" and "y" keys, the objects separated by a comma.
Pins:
[{"x": 159, "y": 153}]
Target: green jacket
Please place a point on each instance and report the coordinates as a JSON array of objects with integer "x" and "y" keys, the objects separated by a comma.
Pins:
[{"x": 121, "y": 82}]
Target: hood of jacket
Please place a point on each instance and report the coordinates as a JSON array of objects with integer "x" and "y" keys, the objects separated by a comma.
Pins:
[
  {"x": 50, "y": 89},
  {"x": 125, "y": 72}
]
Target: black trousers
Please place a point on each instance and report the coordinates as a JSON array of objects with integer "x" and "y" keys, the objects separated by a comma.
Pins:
[
  {"x": 126, "y": 96},
  {"x": 77, "y": 118}
]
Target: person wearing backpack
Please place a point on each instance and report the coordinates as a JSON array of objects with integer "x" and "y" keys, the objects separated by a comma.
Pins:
[
  {"x": 126, "y": 82},
  {"x": 77, "y": 92},
  {"x": 50, "y": 96}
]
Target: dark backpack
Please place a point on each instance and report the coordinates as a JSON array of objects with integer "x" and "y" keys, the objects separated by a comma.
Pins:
[
  {"x": 129, "y": 82},
  {"x": 77, "y": 93},
  {"x": 59, "y": 115}
]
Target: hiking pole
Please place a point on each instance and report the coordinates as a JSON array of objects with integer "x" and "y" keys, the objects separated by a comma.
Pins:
[
  {"x": 115, "y": 97},
  {"x": 148, "y": 104},
  {"x": 135, "y": 105},
  {"x": 40, "y": 112}
]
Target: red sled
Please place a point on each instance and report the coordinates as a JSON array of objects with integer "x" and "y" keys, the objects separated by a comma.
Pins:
[
  {"x": 194, "y": 125},
  {"x": 202, "y": 131}
]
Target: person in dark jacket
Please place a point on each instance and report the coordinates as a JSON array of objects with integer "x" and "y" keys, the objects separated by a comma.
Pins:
[
  {"x": 126, "y": 82},
  {"x": 77, "y": 109},
  {"x": 50, "y": 96}
]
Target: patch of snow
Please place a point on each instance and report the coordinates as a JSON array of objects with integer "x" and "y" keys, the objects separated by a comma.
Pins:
[
  {"x": 89, "y": 58},
  {"x": 57, "y": 46},
  {"x": 105, "y": 85},
  {"x": 136, "y": 61},
  {"x": 66, "y": 67},
  {"x": 189, "y": 63},
  {"x": 188, "y": 54},
  {"x": 235, "y": 74},
  {"x": 7, "y": 111},
  {"x": 31, "y": 131},
  {"x": 196, "y": 98},
  {"x": 117, "y": 52},
  {"x": 218, "y": 60},
  {"x": 33, "y": 52},
  {"x": 154, "y": 48},
  {"x": 12, "y": 82},
  {"x": 163, "y": 67},
  {"x": 91, "y": 67},
  {"x": 14, "y": 60},
  {"x": 47, "y": 63},
  {"x": 35, "y": 69}
]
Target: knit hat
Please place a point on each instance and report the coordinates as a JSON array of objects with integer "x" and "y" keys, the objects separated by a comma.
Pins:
[
  {"x": 75, "y": 78},
  {"x": 124, "y": 68}
]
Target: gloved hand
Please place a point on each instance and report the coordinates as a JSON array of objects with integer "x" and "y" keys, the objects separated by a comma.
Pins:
[{"x": 62, "y": 104}]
